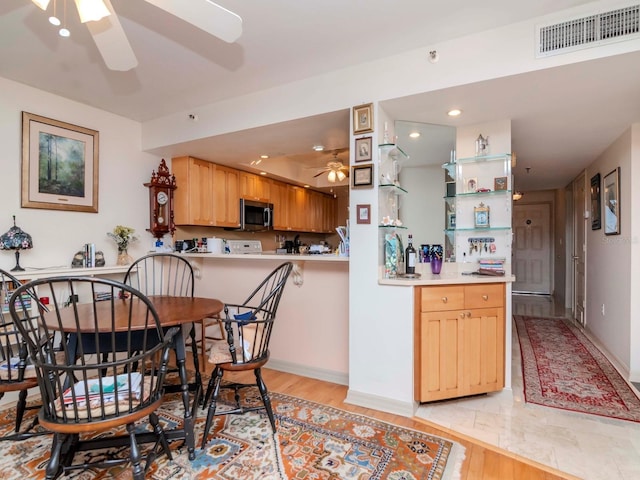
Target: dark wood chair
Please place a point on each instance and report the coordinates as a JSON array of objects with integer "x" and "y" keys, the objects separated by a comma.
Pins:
[
  {"x": 82, "y": 394},
  {"x": 16, "y": 374},
  {"x": 165, "y": 274},
  {"x": 248, "y": 327}
]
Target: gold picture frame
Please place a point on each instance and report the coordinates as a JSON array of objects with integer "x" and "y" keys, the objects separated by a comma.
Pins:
[
  {"x": 59, "y": 165},
  {"x": 363, "y": 118}
]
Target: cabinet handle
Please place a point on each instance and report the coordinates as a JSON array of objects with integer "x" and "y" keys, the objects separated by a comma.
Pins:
[
  {"x": 468, "y": 314},
  {"x": 445, "y": 299},
  {"x": 485, "y": 297},
  {"x": 461, "y": 314}
]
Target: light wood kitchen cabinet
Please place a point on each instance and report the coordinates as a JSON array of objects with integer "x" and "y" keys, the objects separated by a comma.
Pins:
[
  {"x": 459, "y": 340},
  {"x": 280, "y": 201},
  {"x": 254, "y": 187},
  {"x": 296, "y": 198},
  {"x": 226, "y": 197},
  {"x": 194, "y": 195},
  {"x": 209, "y": 194}
]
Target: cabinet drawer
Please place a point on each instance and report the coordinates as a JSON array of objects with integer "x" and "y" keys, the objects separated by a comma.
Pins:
[
  {"x": 440, "y": 299},
  {"x": 484, "y": 295}
]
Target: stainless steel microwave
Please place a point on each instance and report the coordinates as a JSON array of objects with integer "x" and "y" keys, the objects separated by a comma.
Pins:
[{"x": 255, "y": 216}]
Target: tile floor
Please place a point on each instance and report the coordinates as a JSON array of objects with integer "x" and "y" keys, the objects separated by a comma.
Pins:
[{"x": 587, "y": 446}]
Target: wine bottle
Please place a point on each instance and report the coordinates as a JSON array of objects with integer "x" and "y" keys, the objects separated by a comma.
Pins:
[{"x": 410, "y": 257}]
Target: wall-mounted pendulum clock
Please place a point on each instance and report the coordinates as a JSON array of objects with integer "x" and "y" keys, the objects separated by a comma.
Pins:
[{"x": 161, "y": 189}]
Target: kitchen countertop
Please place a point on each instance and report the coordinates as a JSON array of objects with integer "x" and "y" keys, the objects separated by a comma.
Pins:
[
  {"x": 272, "y": 256},
  {"x": 451, "y": 274}
]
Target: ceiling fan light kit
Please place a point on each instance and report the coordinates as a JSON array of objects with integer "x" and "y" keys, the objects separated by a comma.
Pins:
[{"x": 91, "y": 10}]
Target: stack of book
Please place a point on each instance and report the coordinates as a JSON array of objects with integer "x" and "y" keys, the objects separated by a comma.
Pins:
[
  {"x": 491, "y": 266},
  {"x": 89, "y": 255},
  {"x": 104, "y": 388},
  {"x": 101, "y": 296}
]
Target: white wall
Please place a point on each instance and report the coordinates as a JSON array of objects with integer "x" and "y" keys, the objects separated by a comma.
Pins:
[
  {"x": 611, "y": 277},
  {"x": 123, "y": 168}
]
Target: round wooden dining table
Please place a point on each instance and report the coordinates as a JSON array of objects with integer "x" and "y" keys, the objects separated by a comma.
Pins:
[{"x": 172, "y": 311}]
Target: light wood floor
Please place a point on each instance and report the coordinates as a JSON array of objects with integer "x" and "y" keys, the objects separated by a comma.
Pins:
[{"x": 481, "y": 462}]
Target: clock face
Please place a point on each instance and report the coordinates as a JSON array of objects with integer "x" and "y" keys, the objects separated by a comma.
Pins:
[{"x": 162, "y": 198}]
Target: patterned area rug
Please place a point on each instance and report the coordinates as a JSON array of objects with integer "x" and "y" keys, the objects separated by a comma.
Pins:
[
  {"x": 563, "y": 369},
  {"x": 313, "y": 442}
]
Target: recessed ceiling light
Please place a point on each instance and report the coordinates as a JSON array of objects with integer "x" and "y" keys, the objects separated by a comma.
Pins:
[
  {"x": 263, "y": 173},
  {"x": 414, "y": 134},
  {"x": 306, "y": 186},
  {"x": 454, "y": 113},
  {"x": 318, "y": 148},
  {"x": 264, "y": 156}
]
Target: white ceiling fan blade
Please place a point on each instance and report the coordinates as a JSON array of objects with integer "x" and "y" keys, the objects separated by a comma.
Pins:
[
  {"x": 205, "y": 15},
  {"x": 112, "y": 42}
]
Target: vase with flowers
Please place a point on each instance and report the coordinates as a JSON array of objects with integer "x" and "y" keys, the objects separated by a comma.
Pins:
[{"x": 123, "y": 236}]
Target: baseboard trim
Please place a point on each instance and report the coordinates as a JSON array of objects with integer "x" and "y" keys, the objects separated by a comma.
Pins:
[
  {"x": 384, "y": 404},
  {"x": 311, "y": 372}
]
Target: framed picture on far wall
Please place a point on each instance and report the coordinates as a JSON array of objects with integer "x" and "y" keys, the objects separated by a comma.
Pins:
[
  {"x": 612, "y": 202},
  {"x": 596, "y": 203}
]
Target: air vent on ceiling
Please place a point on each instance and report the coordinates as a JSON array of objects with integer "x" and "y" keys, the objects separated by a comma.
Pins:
[{"x": 590, "y": 31}]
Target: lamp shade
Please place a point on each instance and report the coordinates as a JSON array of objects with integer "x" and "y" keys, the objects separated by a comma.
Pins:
[{"x": 16, "y": 239}]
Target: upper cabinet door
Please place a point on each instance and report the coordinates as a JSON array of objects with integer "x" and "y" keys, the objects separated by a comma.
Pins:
[
  {"x": 194, "y": 195},
  {"x": 254, "y": 187}
]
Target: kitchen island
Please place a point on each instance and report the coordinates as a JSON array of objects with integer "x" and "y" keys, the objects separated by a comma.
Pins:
[{"x": 311, "y": 331}]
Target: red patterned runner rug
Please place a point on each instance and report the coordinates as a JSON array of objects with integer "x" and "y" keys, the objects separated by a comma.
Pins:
[
  {"x": 562, "y": 368},
  {"x": 313, "y": 442}
]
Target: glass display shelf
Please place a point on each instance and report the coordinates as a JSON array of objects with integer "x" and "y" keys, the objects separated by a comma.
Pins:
[
  {"x": 484, "y": 194},
  {"x": 483, "y": 158},
  {"x": 389, "y": 150},
  {"x": 393, "y": 188},
  {"x": 477, "y": 229},
  {"x": 391, "y": 227}
]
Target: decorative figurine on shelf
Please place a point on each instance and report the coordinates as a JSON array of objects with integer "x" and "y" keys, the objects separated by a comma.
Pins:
[
  {"x": 481, "y": 216},
  {"x": 482, "y": 146},
  {"x": 123, "y": 236}
]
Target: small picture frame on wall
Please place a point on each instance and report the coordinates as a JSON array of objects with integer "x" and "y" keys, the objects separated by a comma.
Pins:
[
  {"x": 500, "y": 183},
  {"x": 363, "y": 118},
  {"x": 363, "y": 149},
  {"x": 363, "y": 214},
  {"x": 481, "y": 216},
  {"x": 596, "y": 203},
  {"x": 362, "y": 176}
]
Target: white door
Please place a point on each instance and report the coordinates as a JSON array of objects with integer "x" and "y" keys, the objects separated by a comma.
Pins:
[
  {"x": 579, "y": 249},
  {"x": 532, "y": 248}
]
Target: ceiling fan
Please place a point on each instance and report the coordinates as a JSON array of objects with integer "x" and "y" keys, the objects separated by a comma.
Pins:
[
  {"x": 107, "y": 32},
  {"x": 337, "y": 171}
]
